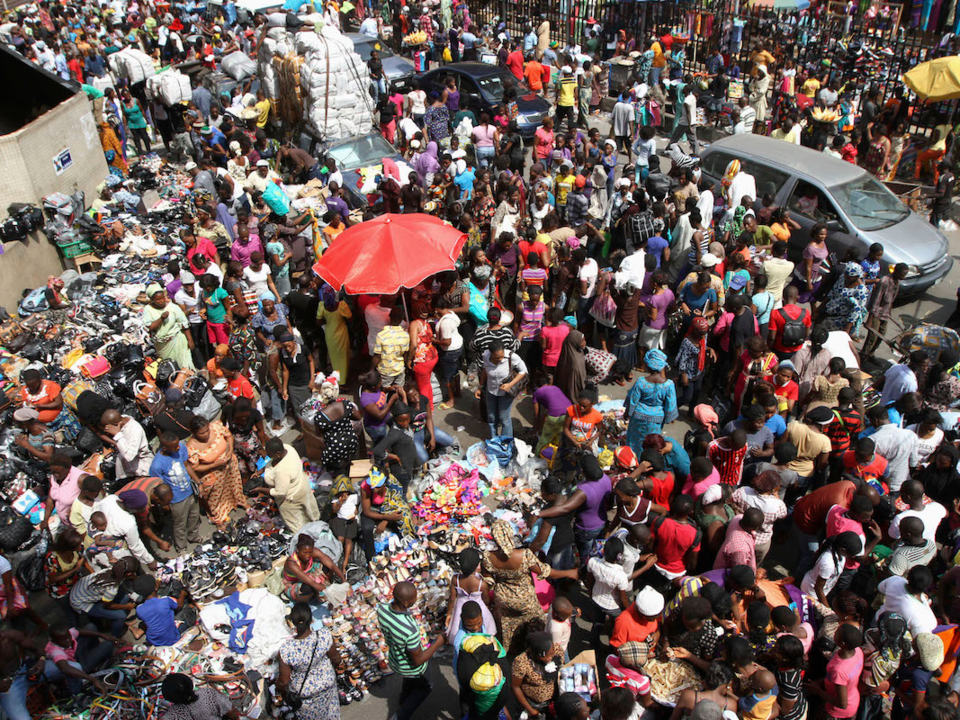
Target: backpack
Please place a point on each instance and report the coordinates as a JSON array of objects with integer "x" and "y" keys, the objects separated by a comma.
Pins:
[{"x": 794, "y": 331}]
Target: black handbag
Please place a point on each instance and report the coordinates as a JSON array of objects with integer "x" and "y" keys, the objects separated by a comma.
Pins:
[
  {"x": 87, "y": 441},
  {"x": 294, "y": 701},
  {"x": 15, "y": 529}
]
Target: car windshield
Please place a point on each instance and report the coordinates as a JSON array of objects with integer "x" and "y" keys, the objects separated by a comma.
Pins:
[
  {"x": 494, "y": 85},
  {"x": 869, "y": 204},
  {"x": 362, "y": 152},
  {"x": 365, "y": 48}
]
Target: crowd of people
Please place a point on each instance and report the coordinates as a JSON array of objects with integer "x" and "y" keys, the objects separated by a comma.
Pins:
[{"x": 788, "y": 551}]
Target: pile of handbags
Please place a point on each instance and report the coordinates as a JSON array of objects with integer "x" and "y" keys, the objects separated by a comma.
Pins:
[{"x": 23, "y": 219}]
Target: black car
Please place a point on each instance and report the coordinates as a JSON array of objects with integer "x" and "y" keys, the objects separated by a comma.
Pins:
[{"x": 483, "y": 86}]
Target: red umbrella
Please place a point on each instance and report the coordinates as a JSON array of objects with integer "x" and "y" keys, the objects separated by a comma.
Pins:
[{"x": 383, "y": 255}]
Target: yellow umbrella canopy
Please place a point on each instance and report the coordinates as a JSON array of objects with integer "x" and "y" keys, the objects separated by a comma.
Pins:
[{"x": 935, "y": 80}]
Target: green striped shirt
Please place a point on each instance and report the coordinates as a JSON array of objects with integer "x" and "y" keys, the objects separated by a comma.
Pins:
[{"x": 402, "y": 633}]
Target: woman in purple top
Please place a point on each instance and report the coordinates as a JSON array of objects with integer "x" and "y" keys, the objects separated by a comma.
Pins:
[
  {"x": 452, "y": 96},
  {"x": 590, "y": 501},
  {"x": 655, "y": 306},
  {"x": 376, "y": 405},
  {"x": 807, "y": 273},
  {"x": 244, "y": 245}
]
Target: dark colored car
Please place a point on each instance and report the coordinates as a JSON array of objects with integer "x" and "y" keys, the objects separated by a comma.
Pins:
[
  {"x": 399, "y": 70},
  {"x": 483, "y": 87}
]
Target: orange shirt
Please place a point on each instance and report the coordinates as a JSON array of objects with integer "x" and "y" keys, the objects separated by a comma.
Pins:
[
  {"x": 534, "y": 74},
  {"x": 631, "y": 626},
  {"x": 48, "y": 391}
]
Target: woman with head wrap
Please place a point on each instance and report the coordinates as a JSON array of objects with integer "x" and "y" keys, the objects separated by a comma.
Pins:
[
  {"x": 428, "y": 164},
  {"x": 572, "y": 366},
  {"x": 35, "y": 437},
  {"x": 210, "y": 452},
  {"x": 536, "y": 671},
  {"x": 112, "y": 148},
  {"x": 333, "y": 315},
  {"x": 335, "y": 422},
  {"x": 651, "y": 402},
  {"x": 515, "y": 605},
  {"x": 190, "y": 703},
  {"x": 272, "y": 314},
  {"x": 846, "y": 307},
  {"x": 168, "y": 327},
  {"x": 238, "y": 165},
  {"x": 692, "y": 362}
]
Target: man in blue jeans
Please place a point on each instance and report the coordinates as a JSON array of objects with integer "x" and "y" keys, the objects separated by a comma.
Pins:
[{"x": 408, "y": 652}]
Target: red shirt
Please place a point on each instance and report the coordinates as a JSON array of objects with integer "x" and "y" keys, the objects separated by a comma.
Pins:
[
  {"x": 810, "y": 513},
  {"x": 672, "y": 540},
  {"x": 874, "y": 472},
  {"x": 845, "y": 423},
  {"x": 203, "y": 247},
  {"x": 631, "y": 626},
  {"x": 727, "y": 461},
  {"x": 777, "y": 322},
  {"x": 662, "y": 489},
  {"x": 515, "y": 64},
  {"x": 528, "y": 247},
  {"x": 240, "y": 387}
]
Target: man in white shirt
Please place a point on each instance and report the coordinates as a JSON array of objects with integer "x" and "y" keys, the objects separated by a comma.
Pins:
[
  {"x": 906, "y": 596},
  {"x": 133, "y": 449},
  {"x": 931, "y": 513},
  {"x": 369, "y": 27},
  {"x": 122, "y": 524},
  {"x": 688, "y": 122},
  {"x": 289, "y": 486},
  {"x": 902, "y": 379},
  {"x": 778, "y": 271},
  {"x": 898, "y": 446}
]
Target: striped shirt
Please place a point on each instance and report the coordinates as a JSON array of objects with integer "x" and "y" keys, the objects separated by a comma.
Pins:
[
  {"x": 402, "y": 633},
  {"x": 727, "y": 461},
  {"x": 905, "y": 557},
  {"x": 392, "y": 345},
  {"x": 531, "y": 320},
  {"x": 85, "y": 594},
  {"x": 790, "y": 687}
]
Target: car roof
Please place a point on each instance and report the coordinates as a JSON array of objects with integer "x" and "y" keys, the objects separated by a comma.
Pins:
[
  {"x": 473, "y": 68},
  {"x": 801, "y": 160}
]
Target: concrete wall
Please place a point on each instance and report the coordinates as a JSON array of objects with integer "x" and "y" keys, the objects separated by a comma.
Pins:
[{"x": 27, "y": 174}]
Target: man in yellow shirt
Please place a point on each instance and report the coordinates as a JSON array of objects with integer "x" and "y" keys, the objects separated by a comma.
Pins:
[
  {"x": 659, "y": 62},
  {"x": 761, "y": 56},
  {"x": 566, "y": 98},
  {"x": 263, "y": 109},
  {"x": 562, "y": 187}
]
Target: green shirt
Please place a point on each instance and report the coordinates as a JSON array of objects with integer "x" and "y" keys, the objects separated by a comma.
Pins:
[
  {"x": 764, "y": 235},
  {"x": 216, "y": 311},
  {"x": 402, "y": 633},
  {"x": 461, "y": 114}
]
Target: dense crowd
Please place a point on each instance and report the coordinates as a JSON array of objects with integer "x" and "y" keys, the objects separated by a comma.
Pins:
[{"x": 790, "y": 554}]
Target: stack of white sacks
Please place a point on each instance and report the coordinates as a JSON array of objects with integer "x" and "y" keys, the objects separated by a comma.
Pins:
[{"x": 322, "y": 68}]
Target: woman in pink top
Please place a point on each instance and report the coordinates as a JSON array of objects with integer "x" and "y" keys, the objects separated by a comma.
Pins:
[
  {"x": 840, "y": 687},
  {"x": 486, "y": 138},
  {"x": 702, "y": 475},
  {"x": 544, "y": 141},
  {"x": 552, "y": 335},
  {"x": 64, "y": 487}
]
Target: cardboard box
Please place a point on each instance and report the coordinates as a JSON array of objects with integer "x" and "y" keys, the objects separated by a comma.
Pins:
[{"x": 587, "y": 657}]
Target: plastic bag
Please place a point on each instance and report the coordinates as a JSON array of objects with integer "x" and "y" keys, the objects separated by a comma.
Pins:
[{"x": 500, "y": 449}]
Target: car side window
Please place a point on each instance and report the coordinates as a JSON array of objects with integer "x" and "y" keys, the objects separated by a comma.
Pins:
[
  {"x": 769, "y": 180},
  {"x": 467, "y": 85},
  {"x": 715, "y": 164},
  {"x": 811, "y": 202}
]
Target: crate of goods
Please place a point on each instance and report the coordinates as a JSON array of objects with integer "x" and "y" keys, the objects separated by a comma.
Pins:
[{"x": 74, "y": 249}]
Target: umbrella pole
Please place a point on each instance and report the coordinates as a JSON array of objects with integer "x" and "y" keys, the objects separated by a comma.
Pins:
[{"x": 406, "y": 312}]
